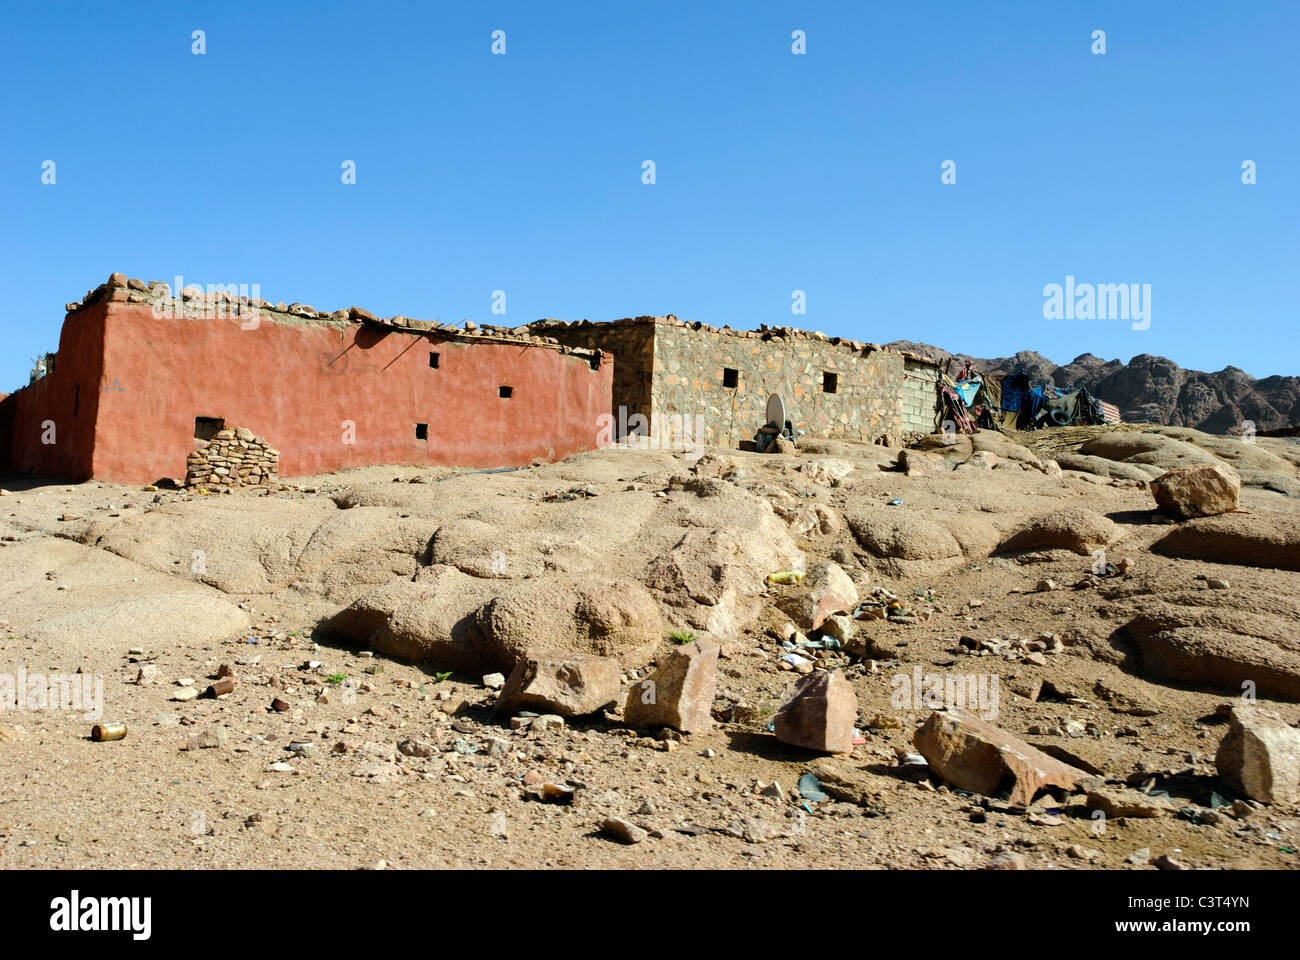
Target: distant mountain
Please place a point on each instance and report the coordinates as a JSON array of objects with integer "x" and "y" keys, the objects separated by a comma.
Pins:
[{"x": 1151, "y": 389}]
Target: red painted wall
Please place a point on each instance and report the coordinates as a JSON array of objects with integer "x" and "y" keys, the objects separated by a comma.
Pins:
[
  {"x": 296, "y": 385},
  {"x": 69, "y": 396}
]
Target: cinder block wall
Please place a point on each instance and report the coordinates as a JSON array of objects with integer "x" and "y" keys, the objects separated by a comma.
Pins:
[{"x": 919, "y": 397}]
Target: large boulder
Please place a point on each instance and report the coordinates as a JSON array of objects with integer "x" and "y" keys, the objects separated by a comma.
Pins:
[
  {"x": 1224, "y": 648},
  {"x": 1146, "y": 448},
  {"x": 610, "y": 618},
  {"x": 898, "y": 533},
  {"x": 819, "y": 714},
  {"x": 825, "y": 590},
  {"x": 1102, "y": 467},
  {"x": 569, "y": 685},
  {"x": 1260, "y": 756},
  {"x": 1203, "y": 490},
  {"x": 430, "y": 618},
  {"x": 679, "y": 694},
  {"x": 974, "y": 755}
]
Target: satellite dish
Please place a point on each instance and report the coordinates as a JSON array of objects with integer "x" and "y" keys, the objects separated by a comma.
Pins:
[{"x": 776, "y": 411}]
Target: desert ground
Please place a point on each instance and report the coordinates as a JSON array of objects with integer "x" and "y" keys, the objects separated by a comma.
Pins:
[{"x": 360, "y": 613}]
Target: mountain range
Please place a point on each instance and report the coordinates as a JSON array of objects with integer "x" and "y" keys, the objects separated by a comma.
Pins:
[{"x": 1150, "y": 389}]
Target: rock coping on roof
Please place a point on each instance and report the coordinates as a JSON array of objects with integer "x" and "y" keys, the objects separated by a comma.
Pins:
[
  {"x": 763, "y": 332},
  {"x": 120, "y": 289}
]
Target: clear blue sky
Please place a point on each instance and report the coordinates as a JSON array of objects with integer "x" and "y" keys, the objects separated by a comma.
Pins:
[{"x": 775, "y": 172}]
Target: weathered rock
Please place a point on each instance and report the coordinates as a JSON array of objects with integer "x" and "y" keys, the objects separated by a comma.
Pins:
[
  {"x": 679, "y": 694},
  {"x": 1202, "y": 490},
  {"x": 568, "y": 685},
  {"x": 825, "y": 590},
  {"x": 1256, "y": 539},
  {"x": 820, "y": 714},
  {"x": 894, "y": 533},
  {"x": 1008, "y": 860},
  {"x": 977, "y": 756},
  {"x": 582, "y": 615},
  {"x": 1071, "y": 528},
  {"x": 714, "y": 465},
  {"x": 1127, "y": 802},
  {"x": 1259, "y": 757},
  {"x": 916, "y": 463},
  {"x": 827, "y": 470},
  {"x": 1223, "y": 648},
  {"x": 1102, "y": 467}
]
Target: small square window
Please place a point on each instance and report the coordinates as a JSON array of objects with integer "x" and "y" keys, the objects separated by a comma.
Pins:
[
  {"x": 205, "y": 428},
  {"x": 830, "y": 382},
  {"x": 730, "y": 378},
  {"x": 421, "y": 431},
  {"x": 433, "y": 360},
  {"x": 505, "y": 392}
]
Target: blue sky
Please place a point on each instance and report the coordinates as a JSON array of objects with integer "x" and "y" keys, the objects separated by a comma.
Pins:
[{"x": 775, "y": 172}]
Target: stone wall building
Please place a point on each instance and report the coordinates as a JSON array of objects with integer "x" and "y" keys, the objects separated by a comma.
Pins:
[
  {"x": 144, "y": 380},
  {"x": 668, "y": 369}
]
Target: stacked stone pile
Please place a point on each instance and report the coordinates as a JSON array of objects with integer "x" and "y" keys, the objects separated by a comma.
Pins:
[{"x": 233, "y": 458}]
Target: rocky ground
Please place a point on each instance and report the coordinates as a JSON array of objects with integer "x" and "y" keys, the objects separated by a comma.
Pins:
[{"x": 360, "y": 613}]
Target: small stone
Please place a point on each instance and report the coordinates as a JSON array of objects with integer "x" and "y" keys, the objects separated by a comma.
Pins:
[
  {"x": 186, "y": 694},
  {"x": 147, "y": 675},
  {"x": 1008, "y": 861},
  {"x": 417, "y": 748},
  {"x": 494, "y": 681},
  {"x": 622, "y": 831}
]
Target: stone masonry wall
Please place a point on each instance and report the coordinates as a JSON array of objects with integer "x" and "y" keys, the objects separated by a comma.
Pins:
[
  {"x": 232, "y": 458},
  {"x": 674, "y": 371},
  {"x": 863, "y": 403}
]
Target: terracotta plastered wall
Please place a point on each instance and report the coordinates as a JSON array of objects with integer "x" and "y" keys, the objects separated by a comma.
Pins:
[
  {"x": 331, "y": 396},
  {"x": 690, "y": 378},
  {"x": 328, "y": 391},
  {"x": 51, "y": 423}
]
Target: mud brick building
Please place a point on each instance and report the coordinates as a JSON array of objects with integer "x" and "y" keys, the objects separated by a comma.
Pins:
[
  {"x": 144, "y": 379},
  {"x": 833, "y": 388}
]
